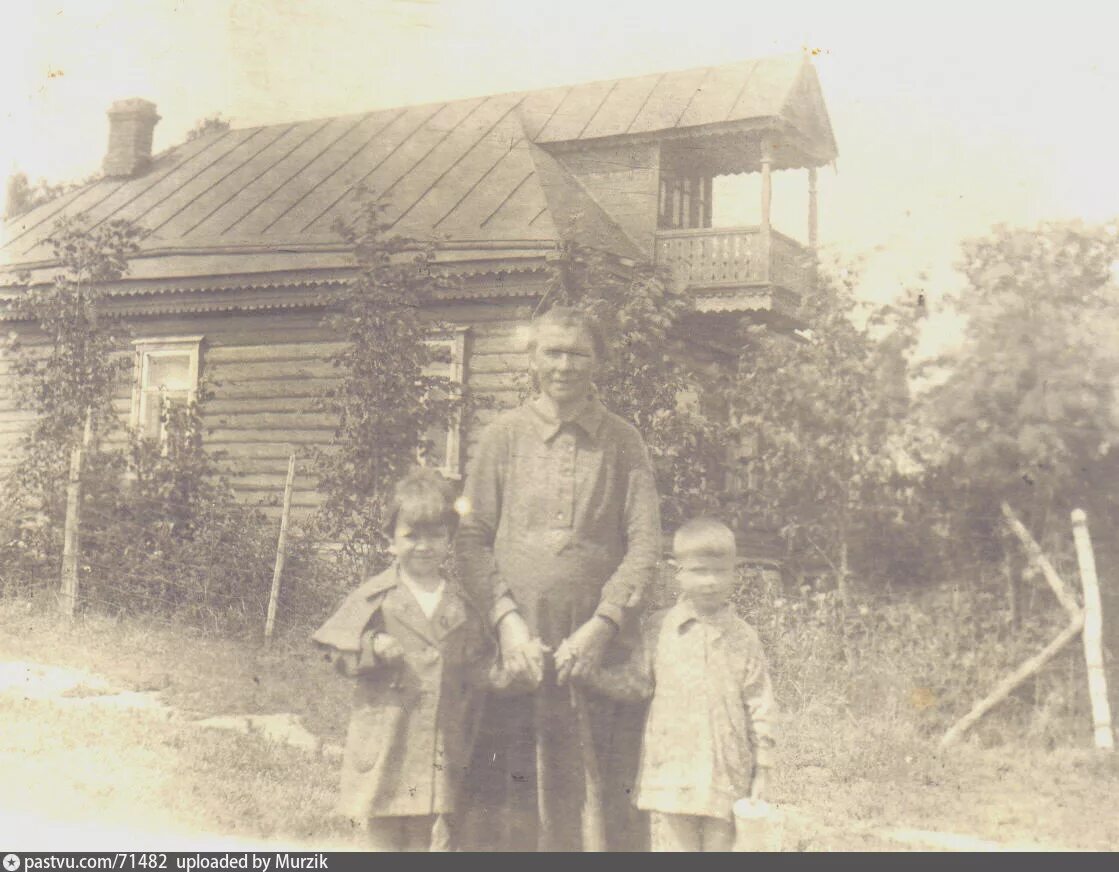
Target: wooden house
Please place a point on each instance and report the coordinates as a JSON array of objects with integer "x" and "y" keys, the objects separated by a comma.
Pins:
[{"x": 241, "y": 243}]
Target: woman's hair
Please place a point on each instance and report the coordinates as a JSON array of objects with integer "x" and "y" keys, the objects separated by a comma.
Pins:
[
  {"x": 706, "y": 537},
  {"x": 423, "y": 497},
  {"x": 568, "y": 316}
]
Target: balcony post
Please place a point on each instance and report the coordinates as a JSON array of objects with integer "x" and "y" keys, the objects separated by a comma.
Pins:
[
  {"x": 812, "y": 214},
  {"x": 767, "y": 201},
  {"x": 813, "y": 232}
]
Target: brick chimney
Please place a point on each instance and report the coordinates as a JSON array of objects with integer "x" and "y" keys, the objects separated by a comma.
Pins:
[{"x": 131, "y": 123}]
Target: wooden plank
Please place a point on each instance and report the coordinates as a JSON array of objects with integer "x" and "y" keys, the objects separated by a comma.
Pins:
[
  {"x": 236, "y": 451},
  {"x": 241, "y": 466},
  {"x": 496, "y": 382},
  {"x": 281, "y": 552},
  {"x": 1093, "y": 634},
  {"x": 276, "y": 405},
  {"x": 271, "y": 480},
  {"x": 504, "y": 342},
  {"x": 1004, "y": 687},
  {"x": 270, "y": 371},
  {"x": 234, "y": 329},
  {"x": 266, "y": 420},
  {"x": 273, "y": 389},
  {"x": 497, "y": 363},
  {"x": 273, "y": 351},
  {"x": 276, "y": 437},
  {"x": 483, "y": 312},
  {"x": 1062, "y": 591}
]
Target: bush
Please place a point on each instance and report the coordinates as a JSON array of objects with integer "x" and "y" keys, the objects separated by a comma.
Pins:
[
  {"x": 918, "y": 661},
  {"x": 174, "y": 540}
]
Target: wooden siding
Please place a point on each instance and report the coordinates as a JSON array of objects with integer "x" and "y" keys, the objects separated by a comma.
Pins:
[{"x": 264, "y": 372}]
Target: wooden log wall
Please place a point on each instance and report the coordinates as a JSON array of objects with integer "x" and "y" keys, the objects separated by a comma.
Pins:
[{"x": 264, "y": 371}]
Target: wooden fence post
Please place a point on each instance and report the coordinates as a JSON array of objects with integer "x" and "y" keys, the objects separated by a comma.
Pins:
[
  {"x": 72, "y": 532},
  {"x": 1004, "y": 688},
  {"x": 1061, "y": 590},
  {"x": 281, "y": 548},
  {"x": 1093, "y": 633}
]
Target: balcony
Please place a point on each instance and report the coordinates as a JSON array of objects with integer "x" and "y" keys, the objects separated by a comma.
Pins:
[{"x": 733, "y": 268}]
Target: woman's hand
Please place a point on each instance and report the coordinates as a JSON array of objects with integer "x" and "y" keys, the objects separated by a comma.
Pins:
[
  {"x": 521, "y": 654},
  {"x": 581, "y": 652}
]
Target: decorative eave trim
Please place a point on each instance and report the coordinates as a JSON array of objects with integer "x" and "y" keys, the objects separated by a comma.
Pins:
[{"x": 247, "y": 293}]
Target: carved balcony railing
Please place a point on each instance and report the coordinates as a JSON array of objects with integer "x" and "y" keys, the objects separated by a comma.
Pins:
[{"x": 719, "y": 259}]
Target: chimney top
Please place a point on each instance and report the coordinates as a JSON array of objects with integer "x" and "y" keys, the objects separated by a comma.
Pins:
[{"x": 131, "y": 123}]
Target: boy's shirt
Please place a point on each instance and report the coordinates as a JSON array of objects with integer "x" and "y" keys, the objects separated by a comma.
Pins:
[{"x": 711, "y": 719}]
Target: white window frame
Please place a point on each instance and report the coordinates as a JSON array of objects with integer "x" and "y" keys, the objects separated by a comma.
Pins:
[
  {"x": 155, "y": 347},
  {"x": 455, "y": 340}
]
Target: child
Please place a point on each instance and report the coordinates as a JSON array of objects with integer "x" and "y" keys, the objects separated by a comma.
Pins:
[
  {"x": 709, "y": 733},
  {"x": 419, "y": 652}
]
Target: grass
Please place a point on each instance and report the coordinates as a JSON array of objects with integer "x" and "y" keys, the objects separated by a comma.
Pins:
[
  {"x": 200, "y": 673},
  {"x": 851, "y": 777}
]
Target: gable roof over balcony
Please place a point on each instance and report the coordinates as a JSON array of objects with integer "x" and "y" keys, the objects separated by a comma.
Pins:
[{"x": 477, "y": 172}]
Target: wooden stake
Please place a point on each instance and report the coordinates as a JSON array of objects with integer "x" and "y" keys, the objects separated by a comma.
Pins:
[
  {"x": 1093, "y": 633},
  {"x": 1063, "y": 591},
  {"x": 1002, "y": 691},
  {"x": 72, "y": 535},
  {"x": 281, "y": 548}
]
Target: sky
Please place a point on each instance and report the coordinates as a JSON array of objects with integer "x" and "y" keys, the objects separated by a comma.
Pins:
[{"x": 950, "y": 118}]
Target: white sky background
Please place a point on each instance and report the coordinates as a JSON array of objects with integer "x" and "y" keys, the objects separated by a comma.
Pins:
[{"x": 950, "y": 118}]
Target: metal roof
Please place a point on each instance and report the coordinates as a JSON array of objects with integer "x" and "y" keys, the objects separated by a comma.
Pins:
[{"x": 475, "y": 170}]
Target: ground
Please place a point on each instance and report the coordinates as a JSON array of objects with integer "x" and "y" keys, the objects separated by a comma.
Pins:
[{"x": 104, "y": 747}]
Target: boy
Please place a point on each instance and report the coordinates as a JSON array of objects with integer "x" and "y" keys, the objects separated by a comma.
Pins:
[
  {"x": 420, "y": 655},
  {"x": 709, "y": 733}
]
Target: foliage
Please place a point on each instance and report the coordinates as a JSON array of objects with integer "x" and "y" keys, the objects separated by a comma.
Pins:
[
  {"x": 826, "y": 410},
  {"x": 921, "y": 658},
  {"x": 1028, "y": 410},
  {"x": 386, "y": 401},
  {"x": 205, "y": 126},
  {"x": 648, "y": 370},
  {"x": 161, "y": 531},
  {"x": 22, "y": 196},
  {"x": 173, "y": 539},
  {"x": 71, "y": 374}
]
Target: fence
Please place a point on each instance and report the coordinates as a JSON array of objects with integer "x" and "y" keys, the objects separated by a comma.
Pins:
[
  {"x": 249, "y": 576},
  {"x": 211, "y": 562}
]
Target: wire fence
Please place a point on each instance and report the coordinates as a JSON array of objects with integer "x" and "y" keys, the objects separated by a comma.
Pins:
[{"x": 196, "y": 556}]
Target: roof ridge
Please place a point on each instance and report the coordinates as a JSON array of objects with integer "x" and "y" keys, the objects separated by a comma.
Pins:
[{"x": 523, "y": 92}]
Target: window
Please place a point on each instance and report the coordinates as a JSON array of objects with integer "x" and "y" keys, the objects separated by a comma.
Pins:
[
  {"x": 685, "y": 202},
  {"x": 166, "y": 371},
  {"x": 445, "y": 443}
]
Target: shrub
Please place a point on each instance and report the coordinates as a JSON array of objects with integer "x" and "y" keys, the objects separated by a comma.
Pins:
[
  {"x": 915, "y": 660},
  {"x": 174, "y": 540}
]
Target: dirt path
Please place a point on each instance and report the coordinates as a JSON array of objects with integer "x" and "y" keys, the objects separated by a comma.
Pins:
[{"x": 88, "y": 764}]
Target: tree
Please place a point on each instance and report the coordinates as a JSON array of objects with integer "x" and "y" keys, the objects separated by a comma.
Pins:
[
  {"x": 825, "y": 409},
  {"x": 1028, "y": 410},
  {"x": 385, "y": 402},
  {"x": 70, "y": 376},
  {"x": 21, "y": 196},
  {"x": 648, "y": 370}
]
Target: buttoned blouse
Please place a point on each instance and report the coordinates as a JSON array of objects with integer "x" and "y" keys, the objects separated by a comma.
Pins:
[{"x": 563, "y": 515}]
